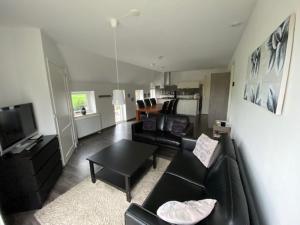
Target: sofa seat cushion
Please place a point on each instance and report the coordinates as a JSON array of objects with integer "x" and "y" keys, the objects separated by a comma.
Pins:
[
  {"x": 173, "y": 188},
  {"x": 146, "y": 136},
  {"x": 187, "y": 166},
  {"x": 168, "y": 139}
]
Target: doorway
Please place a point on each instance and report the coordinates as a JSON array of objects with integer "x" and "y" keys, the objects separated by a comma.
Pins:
[
  {"x": 219, "y": 93},
  {"x": 120, "y": 113}
]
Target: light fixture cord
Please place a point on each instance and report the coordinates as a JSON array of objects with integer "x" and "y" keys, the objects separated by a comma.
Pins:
[{"x": 116, "y": 55}]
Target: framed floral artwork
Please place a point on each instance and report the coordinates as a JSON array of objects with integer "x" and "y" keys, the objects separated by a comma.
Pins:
[{"x": 268, "y": 68}]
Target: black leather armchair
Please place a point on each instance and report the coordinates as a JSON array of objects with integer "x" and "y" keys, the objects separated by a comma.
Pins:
[
  {"x": 187, "y": 179},
  {"x": 163, "y": 136}
]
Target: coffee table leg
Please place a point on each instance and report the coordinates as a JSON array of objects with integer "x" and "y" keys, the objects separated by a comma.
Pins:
[
  {"x": 154, "y": 160},
  {"x": 127, "y": 185},
  {"x": 93, "y": 177}
]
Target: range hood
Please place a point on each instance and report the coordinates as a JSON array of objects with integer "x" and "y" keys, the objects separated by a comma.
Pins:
[{"x": 167, "y": 82}]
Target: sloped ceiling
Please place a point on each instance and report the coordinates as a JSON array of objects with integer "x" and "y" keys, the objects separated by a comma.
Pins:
[{"x": 90, "y": 67}]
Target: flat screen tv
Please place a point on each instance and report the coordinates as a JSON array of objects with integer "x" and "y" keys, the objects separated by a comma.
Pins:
[{"x": 17, "y": 124}]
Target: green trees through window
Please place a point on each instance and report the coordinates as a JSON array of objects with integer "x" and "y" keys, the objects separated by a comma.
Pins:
[{"x": 79, "y": 100}]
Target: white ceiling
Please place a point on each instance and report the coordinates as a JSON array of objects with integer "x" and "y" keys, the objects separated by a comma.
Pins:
[{"x": 190, "y": 34}]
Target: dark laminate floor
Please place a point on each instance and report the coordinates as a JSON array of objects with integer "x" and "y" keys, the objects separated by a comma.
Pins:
[{"x": 77, "y": 168}]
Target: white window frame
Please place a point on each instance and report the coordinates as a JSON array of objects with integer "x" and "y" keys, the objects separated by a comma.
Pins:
[{"x": 91, "y": 104}]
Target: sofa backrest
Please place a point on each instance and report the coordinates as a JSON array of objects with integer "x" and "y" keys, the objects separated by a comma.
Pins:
[
  {"x": 160, "y": 122},
  {"x": 170, "y": 120},
  {"x": 224, "y": 148},
  {"x": 224, "y": 184}
]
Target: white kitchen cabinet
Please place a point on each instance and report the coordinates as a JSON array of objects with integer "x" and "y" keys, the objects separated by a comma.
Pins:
[
  {"x": 188, "y": 107},
  {"x": 188, "y": 84}
]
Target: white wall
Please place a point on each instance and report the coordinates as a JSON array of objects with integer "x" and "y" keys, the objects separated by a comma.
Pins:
[
  {"x": 23, "y": 74},
  {"x": 201, "y": 76},
  {"x": 270, "y": 143}
]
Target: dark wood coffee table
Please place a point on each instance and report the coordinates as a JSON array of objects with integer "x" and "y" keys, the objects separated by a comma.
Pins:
[{"x": 123, "y": 164}]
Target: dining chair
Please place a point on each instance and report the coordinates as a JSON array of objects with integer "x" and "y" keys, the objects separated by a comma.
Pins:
[
  {"x": 140, "y": 104},
  {"x": 170, "y": 106},
  {"x": 147, "y": 102},
  {"x": 153, "y": 101},
  {"x": 165, "y": 107}
]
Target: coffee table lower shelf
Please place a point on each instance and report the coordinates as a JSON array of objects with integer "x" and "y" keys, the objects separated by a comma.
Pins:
[{"x": 119, "y": 181}]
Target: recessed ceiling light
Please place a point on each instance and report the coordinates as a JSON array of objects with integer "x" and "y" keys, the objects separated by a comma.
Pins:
[{"x": 236, "y": 24}]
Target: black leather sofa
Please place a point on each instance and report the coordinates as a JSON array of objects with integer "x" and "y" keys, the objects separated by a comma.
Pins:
[
  {"x": 187, "y": 179},
  {"x": 163, "y": 135}
]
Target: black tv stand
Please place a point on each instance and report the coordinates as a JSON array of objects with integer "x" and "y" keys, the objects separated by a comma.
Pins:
[{"x": 26, "y": 178}]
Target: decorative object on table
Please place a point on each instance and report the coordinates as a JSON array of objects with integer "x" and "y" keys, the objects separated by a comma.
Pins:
[
  {"x": 119, "y": 95},
  {"x": 83, "y": 111},
  {"x": 223, "y": 124},
  {"x": 221, "y": 127},
  {"x": 268, "y": 69},
  {"x": 186, "y": 213},
  {"x": 204, "y": 149}
]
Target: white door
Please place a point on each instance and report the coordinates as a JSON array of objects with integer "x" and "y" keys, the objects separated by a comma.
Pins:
[{"x": 62, "y": 109}]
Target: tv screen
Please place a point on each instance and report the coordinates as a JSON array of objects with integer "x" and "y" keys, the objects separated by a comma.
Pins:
[{"x": 16, "y": 123}]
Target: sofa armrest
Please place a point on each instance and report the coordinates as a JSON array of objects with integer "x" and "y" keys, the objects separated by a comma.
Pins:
[
  {"x": 137, "y": 215},
  {"x": 137, "y": 127},
  {"x": 188, "y": 143}
]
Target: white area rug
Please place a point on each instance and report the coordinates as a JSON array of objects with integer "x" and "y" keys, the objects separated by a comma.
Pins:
[{"x": 99, "y": 203}]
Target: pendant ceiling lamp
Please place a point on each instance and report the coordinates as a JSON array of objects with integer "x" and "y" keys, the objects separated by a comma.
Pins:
[{"x": 118, "y": 94}]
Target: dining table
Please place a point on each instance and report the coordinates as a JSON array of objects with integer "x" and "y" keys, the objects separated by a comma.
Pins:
[{"x": 148, "y": 109}]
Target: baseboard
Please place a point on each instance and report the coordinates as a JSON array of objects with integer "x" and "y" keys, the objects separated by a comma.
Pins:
[{"x": 106, "y": 128}]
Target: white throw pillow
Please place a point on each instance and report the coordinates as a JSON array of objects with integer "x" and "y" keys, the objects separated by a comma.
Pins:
[
  {"x": 204, "y": 149},
  {"x": 186, "y": 213}
]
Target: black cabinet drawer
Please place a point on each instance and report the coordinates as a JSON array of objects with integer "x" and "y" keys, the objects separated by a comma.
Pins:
[
  {"x": 27, "y": 178},
  {"x": 50, "y": 182},
  {"x": 47, "y": 169},
  {"x": 40, "y": 159}
]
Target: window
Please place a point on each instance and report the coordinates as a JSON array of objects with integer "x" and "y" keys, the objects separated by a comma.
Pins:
[
  {"x": 84, "y": 99},
  {"x": 139, "y": 95}
]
